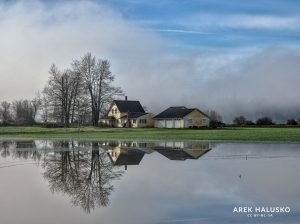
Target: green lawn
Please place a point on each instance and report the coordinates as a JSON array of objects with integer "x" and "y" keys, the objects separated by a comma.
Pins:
[{"x": 278, "y": 135}]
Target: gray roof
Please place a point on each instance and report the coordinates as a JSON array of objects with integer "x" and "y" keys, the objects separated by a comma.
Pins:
[
  {"x": 176, "y": 112},
  {"x": 129, "y": 157},
  {"x": 174, "y": 154},
  {"x": 125, "y": 106},
  {"x": 134, "y": 115}
]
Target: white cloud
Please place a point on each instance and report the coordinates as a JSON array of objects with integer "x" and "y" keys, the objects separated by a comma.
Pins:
[
  {"x": 242, "y": 21},
  {"x": 235, "y": 82}
]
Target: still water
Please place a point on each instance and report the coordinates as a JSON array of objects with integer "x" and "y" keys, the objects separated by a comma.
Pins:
[{"x": 148, "y": 182}]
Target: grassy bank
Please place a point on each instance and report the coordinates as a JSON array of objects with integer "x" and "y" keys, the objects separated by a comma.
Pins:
[{"x": 278, "y": 135}]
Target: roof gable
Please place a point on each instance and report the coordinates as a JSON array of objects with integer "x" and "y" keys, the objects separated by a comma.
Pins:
[
  {"x": 125, "y": 106},
  {"x": 174, "y": 112},
  {"x": 196, "y": 109},
  {"x": 177, "y": 112}
]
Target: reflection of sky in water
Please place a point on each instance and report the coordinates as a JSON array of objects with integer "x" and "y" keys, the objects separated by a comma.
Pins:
[{"x": 160, "y": 190}]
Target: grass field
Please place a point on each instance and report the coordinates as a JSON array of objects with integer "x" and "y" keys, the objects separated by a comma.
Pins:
[{"x": 277, "y": 135}]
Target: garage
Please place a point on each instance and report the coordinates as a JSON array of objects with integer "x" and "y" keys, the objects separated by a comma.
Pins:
[
  {"x": 186, "y": 123},
  {"x": 169, "y": 124},
  {"x": 160, "y": 123},
  {"x": 181, "y": 117},
  {"x": 177, "y": 123}
]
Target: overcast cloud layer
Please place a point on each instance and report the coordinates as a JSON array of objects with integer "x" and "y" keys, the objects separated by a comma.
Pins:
[{"x": 245, "y": 81}]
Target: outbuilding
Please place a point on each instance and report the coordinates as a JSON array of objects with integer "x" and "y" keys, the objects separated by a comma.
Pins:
[{"x": 181, "y": 117}]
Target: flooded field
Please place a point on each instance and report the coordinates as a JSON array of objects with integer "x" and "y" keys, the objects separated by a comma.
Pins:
[{"x": 148, "y": 182}]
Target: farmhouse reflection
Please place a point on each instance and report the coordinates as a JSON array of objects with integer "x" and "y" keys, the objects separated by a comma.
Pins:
[
  {"x": 131, "y": 153},
  {"x": 84, "y": 171}
]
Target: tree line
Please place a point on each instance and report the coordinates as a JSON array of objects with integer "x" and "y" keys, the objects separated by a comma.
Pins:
[
  {"x": 76, "y": 94},
  {"x": 262, "y": 121}
]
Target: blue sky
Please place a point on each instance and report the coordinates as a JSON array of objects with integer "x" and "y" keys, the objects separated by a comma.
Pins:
[{"x": 217, "y": 23}]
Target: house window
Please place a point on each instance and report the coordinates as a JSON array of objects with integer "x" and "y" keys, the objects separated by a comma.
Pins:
[
  {"x": 143, "y": 121},
  {"x": 134, "y": 121}
]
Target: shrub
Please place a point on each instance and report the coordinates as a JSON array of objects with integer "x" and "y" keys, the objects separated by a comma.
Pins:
[
  {"x": 215, "y": 124},
  {"x": 291, "y": 122},
  {"x": 264, "y": 121},
  {"x": 249, "y": 122}
]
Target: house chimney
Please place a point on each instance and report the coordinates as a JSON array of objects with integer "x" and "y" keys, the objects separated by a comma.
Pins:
[{"x": 125, "y": 98}]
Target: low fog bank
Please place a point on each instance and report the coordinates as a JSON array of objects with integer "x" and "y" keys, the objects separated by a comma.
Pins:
[
  {"x": 267, "y": 84},
  {"x": 264, "y": 84}
]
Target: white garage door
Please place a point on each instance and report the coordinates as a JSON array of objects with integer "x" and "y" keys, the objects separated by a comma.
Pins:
[
  {"x": 177, "y": 123},
  {"x": 160, "y": 123},
  {"x": 186, "y": 124},
  {"x": 169, "y": 124}
]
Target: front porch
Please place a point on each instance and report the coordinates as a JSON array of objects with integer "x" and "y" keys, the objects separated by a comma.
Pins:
[{"x": 109, "y": 122}]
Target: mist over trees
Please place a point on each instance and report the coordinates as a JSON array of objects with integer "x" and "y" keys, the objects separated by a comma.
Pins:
[
  {"x": 242, "y": 121},
  {"x": 5, "y": 113},
  {"x": 19, "y": 112},
  {"x": 78, "y": 94}
]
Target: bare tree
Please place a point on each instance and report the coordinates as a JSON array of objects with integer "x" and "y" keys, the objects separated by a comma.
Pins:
[
  {"x": 24, "y": 112},
  {"x": 36, "y": 104},
  {"x": 98, "y": 80},
  {"x": 240, "y": 120},
  {"x": 45, "y": 107},
  {"x": 215, "y": 119},
  {"x": 214, "y": 115},
  {"x": 62, "y": 92},
  {"x": 5, "y": 113}
]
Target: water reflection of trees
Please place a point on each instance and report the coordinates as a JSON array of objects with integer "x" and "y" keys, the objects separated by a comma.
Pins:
[
  {"x": 84, "y": 176},
  {"x": 4, "y": 149},
  {"x": 21, "y": 150},
  {"x": 81, "y": 171}
]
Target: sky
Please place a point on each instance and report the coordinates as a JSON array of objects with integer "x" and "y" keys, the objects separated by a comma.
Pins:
[{"x": 235, "y": 57}]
